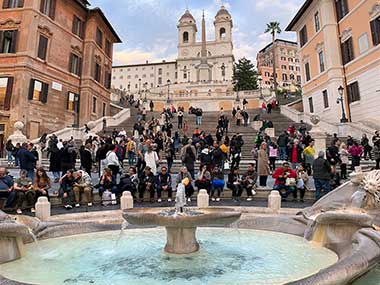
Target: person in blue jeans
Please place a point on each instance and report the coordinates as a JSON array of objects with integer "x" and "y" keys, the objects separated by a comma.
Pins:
[
  {"x": 281, "y": 175},
  {"x": 321, "y": 175},
  {"x": 6, "y": 188}
]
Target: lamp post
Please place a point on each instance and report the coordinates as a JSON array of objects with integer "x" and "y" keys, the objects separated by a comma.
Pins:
[
  {"x": 168, "y": 99},
  {"x": 145, "y": 90},
  {"x": 140, "y": 88},
  {"x": 341, "y": 101}
]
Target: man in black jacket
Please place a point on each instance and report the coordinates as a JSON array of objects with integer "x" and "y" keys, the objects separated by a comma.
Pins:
[
  {"x": 321, "y": 175},
  {"x": 282, "y": 143},
  {"x": 27, "y": 159}
]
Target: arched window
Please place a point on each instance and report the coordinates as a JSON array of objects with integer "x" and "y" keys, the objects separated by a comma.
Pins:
[
  {"x": 291, "y": 76},
  {"x": 284, "y": 77},
  {"x": 222, "y": 33},
  {"x": 185, "y": 37}
]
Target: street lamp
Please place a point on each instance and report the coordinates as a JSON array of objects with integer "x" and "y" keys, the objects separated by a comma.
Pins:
[
  {"x": 341, "y": 101},
  {"x": 260, "y": 79},
  {"x": 145, "y": 90},
  {"x": 140, "y": 88},
  {"x": 168, "y": 99}
]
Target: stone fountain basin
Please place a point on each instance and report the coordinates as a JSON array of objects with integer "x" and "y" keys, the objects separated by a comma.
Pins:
[
  {"x": 12, "y": 229},
  {"x": 355, "y": 217},
  {"x": 200, "y": 217}
]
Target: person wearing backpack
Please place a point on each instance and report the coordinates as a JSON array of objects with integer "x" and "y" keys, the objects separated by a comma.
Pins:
[
  {"x": 9, "y": 147},
  {"x": 188, "y": 157}
]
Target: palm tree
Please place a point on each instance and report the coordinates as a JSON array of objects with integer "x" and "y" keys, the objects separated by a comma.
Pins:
[{"x": 273, "y": 28}]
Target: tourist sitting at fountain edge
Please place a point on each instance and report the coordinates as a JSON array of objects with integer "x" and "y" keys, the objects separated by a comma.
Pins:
[
  {"x": 129, "y": 182},
  {"x": 189, "y": 187},
  {"x": 204, "y": 180},
  {"x": 147, "y": 180},
  {"x": 164, "y": 183},
  {"x": 235, "y": 184},
  {"x": 249, "y": 181},
  {"x": 108, "y": 189},
  {"x": 24, "y": 192},
  {"x": 66, "y": 189},
  {"x": 6, "y": 188},
  {"x": 285, "y": 181},
  {"x": 82, "y": 185}
]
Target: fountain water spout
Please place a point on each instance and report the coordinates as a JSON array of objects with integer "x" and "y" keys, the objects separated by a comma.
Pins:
[{"x": 180, "y": 199}]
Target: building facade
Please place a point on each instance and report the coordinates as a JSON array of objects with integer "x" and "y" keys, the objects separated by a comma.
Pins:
[
  {"x": 55, "y": 64},
  {"x": 197, "y": 62},
  {"x": 288, "y": 70},
  {"x": 339, "y": 46}
]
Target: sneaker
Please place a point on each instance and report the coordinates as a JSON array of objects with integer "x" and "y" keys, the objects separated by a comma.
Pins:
[
  {"x": 89, "y": 204},
  {"x": 213, "y": 199},
  {"x": 218, "y": 199},
  {"x": 249, "y": 199},
  {"x": 159, "y": 200},
  {"x": 18, "y": 211},
  {"x": 253, "y": 192},
  {"x": 188, "y": 199},
  {"x": 32, "y": 210},
  {"x": 169, "y": 200},
  {"x": 77, "y": 205},
  {"x": 68, "y": 207}
]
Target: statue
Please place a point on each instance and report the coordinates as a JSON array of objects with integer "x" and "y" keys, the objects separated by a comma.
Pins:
[{"x": 180, "y": 198}]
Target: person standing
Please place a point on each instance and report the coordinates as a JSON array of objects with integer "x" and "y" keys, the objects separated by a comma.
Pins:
[
  {"x": 169, "y": 154},
  {"x": 282, "y": 142},
  {"x": 188, "y": 156},
  {"x": 151, "y": 159},
  {"x": 55, "y": 162},
  {"x": 180, "y": 118},
  {"x": 9, "y": 147},
  {"x": 269, "y": 108},
  {"x": 86, "y": 158},
  {"x": 366, "y": 147},
  {"x": 112, "y": 161},
  {"x": 234, "y": 112},
  {"x": 356, "y": 151},
  {"x": 151, "y": 105},
  {"x": 295, "y": 154},
  {"x": 309, "y": 155},
  {"x": 321, "y": 175},
  {"x": 376, "y": 153},
  {"x": 344, "y": 158},
  {"x": 27, "y": 160},
  {"x": 263, "y": 164},
  {"x": 273, "y": 153}
]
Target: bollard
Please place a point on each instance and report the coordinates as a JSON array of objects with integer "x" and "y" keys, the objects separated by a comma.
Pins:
[
  {"x": 126, "y": 201},
  {"x": 274, "y": 201},
  {"x": 203, "y": 199},
  {"x": 43, "y": 209}
]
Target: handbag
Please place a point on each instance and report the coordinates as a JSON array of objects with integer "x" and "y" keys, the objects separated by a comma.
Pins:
[
  {"x": 106, "y": 198},
  {"x": 290, "y": 182},
  {"x": 218, "y": 183}
]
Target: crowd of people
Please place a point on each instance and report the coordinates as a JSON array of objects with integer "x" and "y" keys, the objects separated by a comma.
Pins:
[{"x": 154, "y": 145}]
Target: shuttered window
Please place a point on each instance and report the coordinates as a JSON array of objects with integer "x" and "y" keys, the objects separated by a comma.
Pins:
[
  {"x": 341, "y": 8},
  {"x": 347, "y": 51},
  {"x": 104, "y": 110},
  {"x": 13, "y": 4},
  {"x": 94, "y": 104},
  {"x": 321, "y": 61},
  {"x": 70, "y": 101},
  {"x": 42, "y": 47},
  {"x": 47, "y": 7},
  {"x": 6, "y": 87},
  {"x": 97, "y": 72},
  {"x": 38, "y": 91},
  {"x": 307, "y": 71},
  {"x": 75, "y": 64},
  {"x": 99, "y": 37},
  {"x": 8, "y": 41},
  {"x": 325, "y": 99},
  {"x": 375, "y": 31},
  {"x": 311, "y": 105},
  {"x": 78, "y": 27},
  {"x": 108, "y": 48},
  {"x": 303, "y": 36},
  {"x": 353, "y": 92},
  {"x": 107, "y": 79}
]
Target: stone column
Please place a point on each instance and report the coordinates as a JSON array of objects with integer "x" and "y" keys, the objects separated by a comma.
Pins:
[
  {"x": 43, "y": 209},
  {"x": 274, "y": 201},
  {"x": 126, "y": 201},
  {"x": 203, "y": 199}
]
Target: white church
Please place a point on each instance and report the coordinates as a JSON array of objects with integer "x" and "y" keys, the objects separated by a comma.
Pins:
[{"x": 203, "y": 70}]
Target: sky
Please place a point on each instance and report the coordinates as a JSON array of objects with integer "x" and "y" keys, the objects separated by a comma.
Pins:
[{"x": 148, "y": 28}]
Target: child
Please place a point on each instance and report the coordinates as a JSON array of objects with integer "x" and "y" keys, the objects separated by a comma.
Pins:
[{"x": 302, "y": 179}]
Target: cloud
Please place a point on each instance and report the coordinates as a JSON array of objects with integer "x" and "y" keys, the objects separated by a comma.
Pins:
[{"x": 277, "y": 6}]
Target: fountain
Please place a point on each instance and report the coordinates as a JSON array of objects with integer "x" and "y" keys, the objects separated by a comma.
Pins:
[{"x": 181, "y": 223}]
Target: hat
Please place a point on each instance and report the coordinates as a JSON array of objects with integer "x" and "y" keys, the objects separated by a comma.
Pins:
[{"x": 185, "y": 181}]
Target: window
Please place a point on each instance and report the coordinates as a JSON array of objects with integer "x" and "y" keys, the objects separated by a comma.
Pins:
[
  {"x": 48, "y": 8},
  {"x": 185, "y": 37},
  {"x": 97, "y": 72},
  {"x": 321, "y": 61},
  {"x": 284, "y": 77},
  {"x": 291, "y": 76},
  {"x": 347, "y": 51},
  {"x": 94, "y": 103},
  {"x": 341, "y": 8},
  {"x": 108, "y": 48},
  {"x": 151, "y": 85},
  {"x": 107, "y": 79},
  {"x": 8, "y": 41},
  {"x": 6, "y": 86},
  {"x": 311, "y": 105},
  {"x": 136, "y": 76},
  {"x": 71, "y": 101},
  {"x": 303, "y": 36},
  {"x": 99, "y": 37},
  {"x": 144, "y": 76},
  {"x": 13, "y": 4},
  {"x": 353, "y": 92},
  {"x": 42, "y": 47},
  {"x": 129, "y": 77},
  {"x": 159, "y": 80},
  {"x": 185, "y": 75},
  {"x": 363, "y": 43},
  {"x": 298, "y": 78},
  {"x": 160, "y": 71},
  {"x": 283, "y": 67},
  {"x": 267, "y": 74},
  {"x": 78, "y": 27},
  {"x": 75, "y": 64},
  {"x": 307, "y": 71},
  {"x": 104, "y": 110},
  {"x": 317, "y": 23},
  {"x": 291, "y": 67},
  {"x": 136, "y": 86},
  {"x": 298, "y": 68},
  {"x": 38, "y": 91},
  {"x": 375, "y": 31},
  {"x": 222, "y": 33},
  {"x": 325, "y": 99}
]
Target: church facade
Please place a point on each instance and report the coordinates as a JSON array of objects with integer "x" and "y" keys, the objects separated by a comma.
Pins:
[{"x": 198, "y": 62}]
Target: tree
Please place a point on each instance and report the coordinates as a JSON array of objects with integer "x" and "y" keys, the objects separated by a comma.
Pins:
[
  {"x": 245, "y": 75},
  {"x": 274, "y": 28}
]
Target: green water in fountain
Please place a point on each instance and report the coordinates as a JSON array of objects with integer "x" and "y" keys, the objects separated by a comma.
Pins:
[{"x": 227, "y": 256}]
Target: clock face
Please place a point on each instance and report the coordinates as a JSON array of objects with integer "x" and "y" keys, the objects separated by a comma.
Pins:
[{"x": 185, "y": 52}]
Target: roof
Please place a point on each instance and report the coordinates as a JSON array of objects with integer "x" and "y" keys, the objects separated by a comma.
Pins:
[
  {"x": 277, "y": 40},
  {"x": 299, "y": 14},
  {"x": 83, "y": 3},
  {"x": 100, "y": 12},
  {"x": 187, "y": 15},
  {"x": 223, "y": 11},
  {"x": 144, "y": 64}
]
